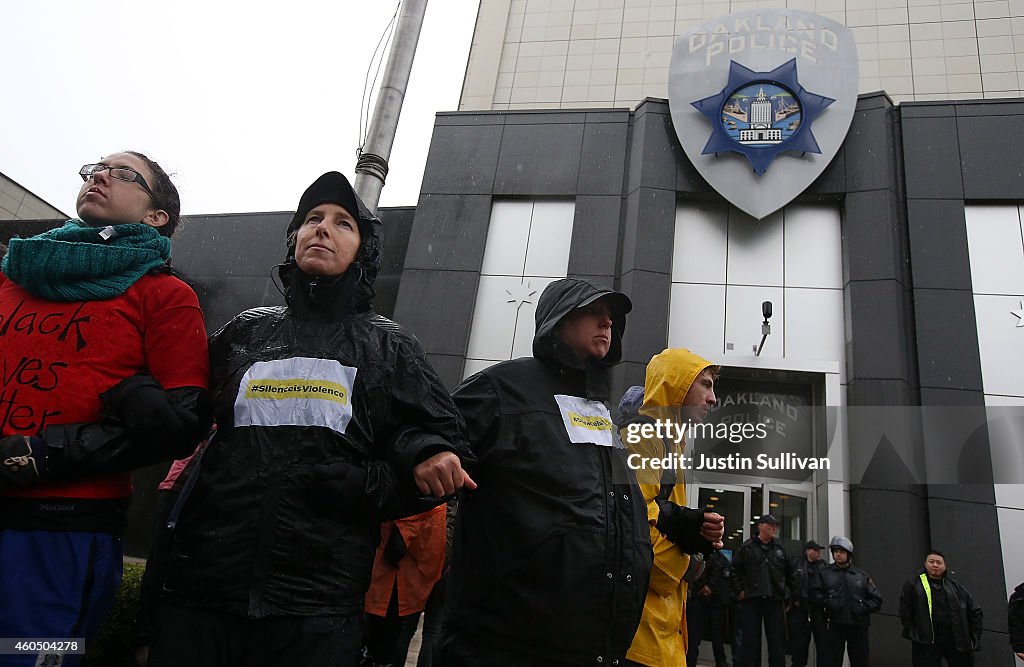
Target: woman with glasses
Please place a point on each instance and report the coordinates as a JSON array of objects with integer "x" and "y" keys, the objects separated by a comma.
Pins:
[
  {"x": 329, "y": 420},
  {"x": 104, "y": 369}
]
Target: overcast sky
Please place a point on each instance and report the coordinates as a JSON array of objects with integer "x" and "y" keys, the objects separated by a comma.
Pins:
[{"x": 245, "y": 103}]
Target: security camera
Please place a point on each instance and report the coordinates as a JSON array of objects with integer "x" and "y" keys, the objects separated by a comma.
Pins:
[{"x": 766, "y": 310}]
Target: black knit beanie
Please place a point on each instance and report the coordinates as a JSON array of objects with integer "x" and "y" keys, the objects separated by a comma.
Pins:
[{"x": 331, "y": 188}]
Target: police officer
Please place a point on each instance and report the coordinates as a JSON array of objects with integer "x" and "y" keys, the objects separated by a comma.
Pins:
[
  {"x": 763, "y": 582},
  {"x": 720, "y": 602},
  {"x": 806, "y": 618},
  {"x": 849, "y": 598},
  {"x": 940, "y": 617}
]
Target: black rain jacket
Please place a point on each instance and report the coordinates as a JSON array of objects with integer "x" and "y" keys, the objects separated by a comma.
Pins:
[
  {"x": 749, "y": 565},
  {"x": 552, "y": 551},
  {"x": 965, "y": 614},
  {"x": 1015, "y": 619},
  {"x": 255, "y": 538},
  {"x": 848, "y": 595}
]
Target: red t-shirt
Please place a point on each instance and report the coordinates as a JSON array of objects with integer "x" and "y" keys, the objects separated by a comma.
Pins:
[{"x": 57, "y": 358}]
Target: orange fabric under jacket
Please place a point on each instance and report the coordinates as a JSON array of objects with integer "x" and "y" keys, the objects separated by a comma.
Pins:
[{"x": 418, "y": 570}]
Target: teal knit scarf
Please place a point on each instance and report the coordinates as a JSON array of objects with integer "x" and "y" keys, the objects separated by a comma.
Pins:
[{"x": 75, "y": 263}]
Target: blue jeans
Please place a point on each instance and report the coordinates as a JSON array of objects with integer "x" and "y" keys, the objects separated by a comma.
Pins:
[{"x": 56, "y": 585}]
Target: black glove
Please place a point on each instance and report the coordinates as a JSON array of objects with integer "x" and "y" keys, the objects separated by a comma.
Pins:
[
  {"x": 145, "y": 408},
  {"x": 340, "y": 488},
  {"x": 22, "y": 460},
  {"x": 682, "y": 525}
]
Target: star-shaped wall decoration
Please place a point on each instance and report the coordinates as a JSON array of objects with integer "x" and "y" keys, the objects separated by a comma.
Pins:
[
  {"x": 1019, "y": 314},
  {"x": 785, "y": 75},
  {"x": 520, "y": 295}
]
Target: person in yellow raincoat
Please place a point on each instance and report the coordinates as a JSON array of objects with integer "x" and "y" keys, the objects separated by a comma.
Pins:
[{"x": 679, "y": 389}]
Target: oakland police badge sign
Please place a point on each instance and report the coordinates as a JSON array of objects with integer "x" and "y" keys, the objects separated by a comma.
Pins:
[{"x": 761, "y": 101}]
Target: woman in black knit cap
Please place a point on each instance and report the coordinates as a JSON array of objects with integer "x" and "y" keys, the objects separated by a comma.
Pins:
[{"x": 330, "y": 420}]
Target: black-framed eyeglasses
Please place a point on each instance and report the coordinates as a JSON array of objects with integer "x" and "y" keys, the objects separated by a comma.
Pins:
[{"x": 120, "y": 173}]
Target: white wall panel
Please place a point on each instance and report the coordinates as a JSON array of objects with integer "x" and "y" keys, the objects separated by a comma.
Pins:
[
  {"x": 996, "y": 249},
  {"x": 527, "y": 248},
  {"x": 699, "y": 244},
  {"x": 507, "y": 237},
  {"x": 696, "y": 318},
  {"x": 813, "y": 247},
  {"x": 474, "y": 366},
  {"x": 550, "y": 237},
  {"x": 814, "y": 324},
  {"x": 494, "y": 318},
  {"x": 743, "y": 320},
  {"x": 1001, "y": 343},
  {"x": 1011, "y": 535},
  {"x": 1005, "y": 416},
  {"x": 755, "y": 250},
  {"x": 522, "y": 341}
]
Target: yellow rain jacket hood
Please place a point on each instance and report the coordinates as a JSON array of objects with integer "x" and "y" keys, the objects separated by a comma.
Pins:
[{"x": 661, "y": 638}]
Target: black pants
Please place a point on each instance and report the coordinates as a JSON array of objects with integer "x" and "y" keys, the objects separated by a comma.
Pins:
[
  {"x": 454, "y": 649},
  {"x": 189, "y": 637},
  {"x": 718, "y": 620},
  {"x": 754, "y": 612},
  {"x": 705, "y": 621},
  {"x": 931, "y": 655},
  {"x": 852, "y": 639},
  {"x": 803, "y": 624},
  {"x": 387, "y": 638},
  {"x": 433, "y": 619}
]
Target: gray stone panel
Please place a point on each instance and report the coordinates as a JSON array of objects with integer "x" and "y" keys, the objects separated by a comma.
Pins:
[
  {"x": 545, "y": 117},
  {"x": 879, "y": 323},
  {"x": 449, "y": 233},
  {"x": 462, "y": 159},
  {"x": 449, "y": 368},
  {"x": 870, "y": 149},
  {"x": 931, "y": 158},
  {"x": 222, "y": 297},
  {"x": 870, "y": 392},
  {"x": 437, "y": 306},
  {"x": 947, "y": 339},
  {"x": 239, "y": 245},
  {"x": 991, "y": 166},
  {"x": 926, "y": 110},
  {"x": 607, "y": 282},
  {"x": 938, "y": 244},
  {"x": 989, "y": 108},
  {"x": 603, "y": 162},
  {"x": 955, "y": 530},
  {"x": 647, "y": 325},
  {"x": 539, "y": 159},
  {"x": 655, "y": 150},
  {"x": 873, "y": 237},
  {"x": 833, "y": 180},
  {"x": 650, "y": 226},
  {"x": 624, "y": 376},
  {"x": 455, "y": 118},
  {"x": 890, "y": 535},
  {"x": 938, "y": 397},
  {"x": 595, "y": 235}
]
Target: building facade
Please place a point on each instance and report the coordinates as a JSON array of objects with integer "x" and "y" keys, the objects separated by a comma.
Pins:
[
  {"x": 17, "y": 203},
  {"x": 896, "y": 280},
  {"x": 570, "y": 54}
]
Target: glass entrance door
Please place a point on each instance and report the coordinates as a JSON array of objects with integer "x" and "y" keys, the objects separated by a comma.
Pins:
[
  {"x": 791, "y": 508},
  {"x": 732, "y": 502},
  {"x": 742, "y": 506}
]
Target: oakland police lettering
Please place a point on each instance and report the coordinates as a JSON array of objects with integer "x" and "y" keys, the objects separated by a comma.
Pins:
[{"x": 732, "y": 36}]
